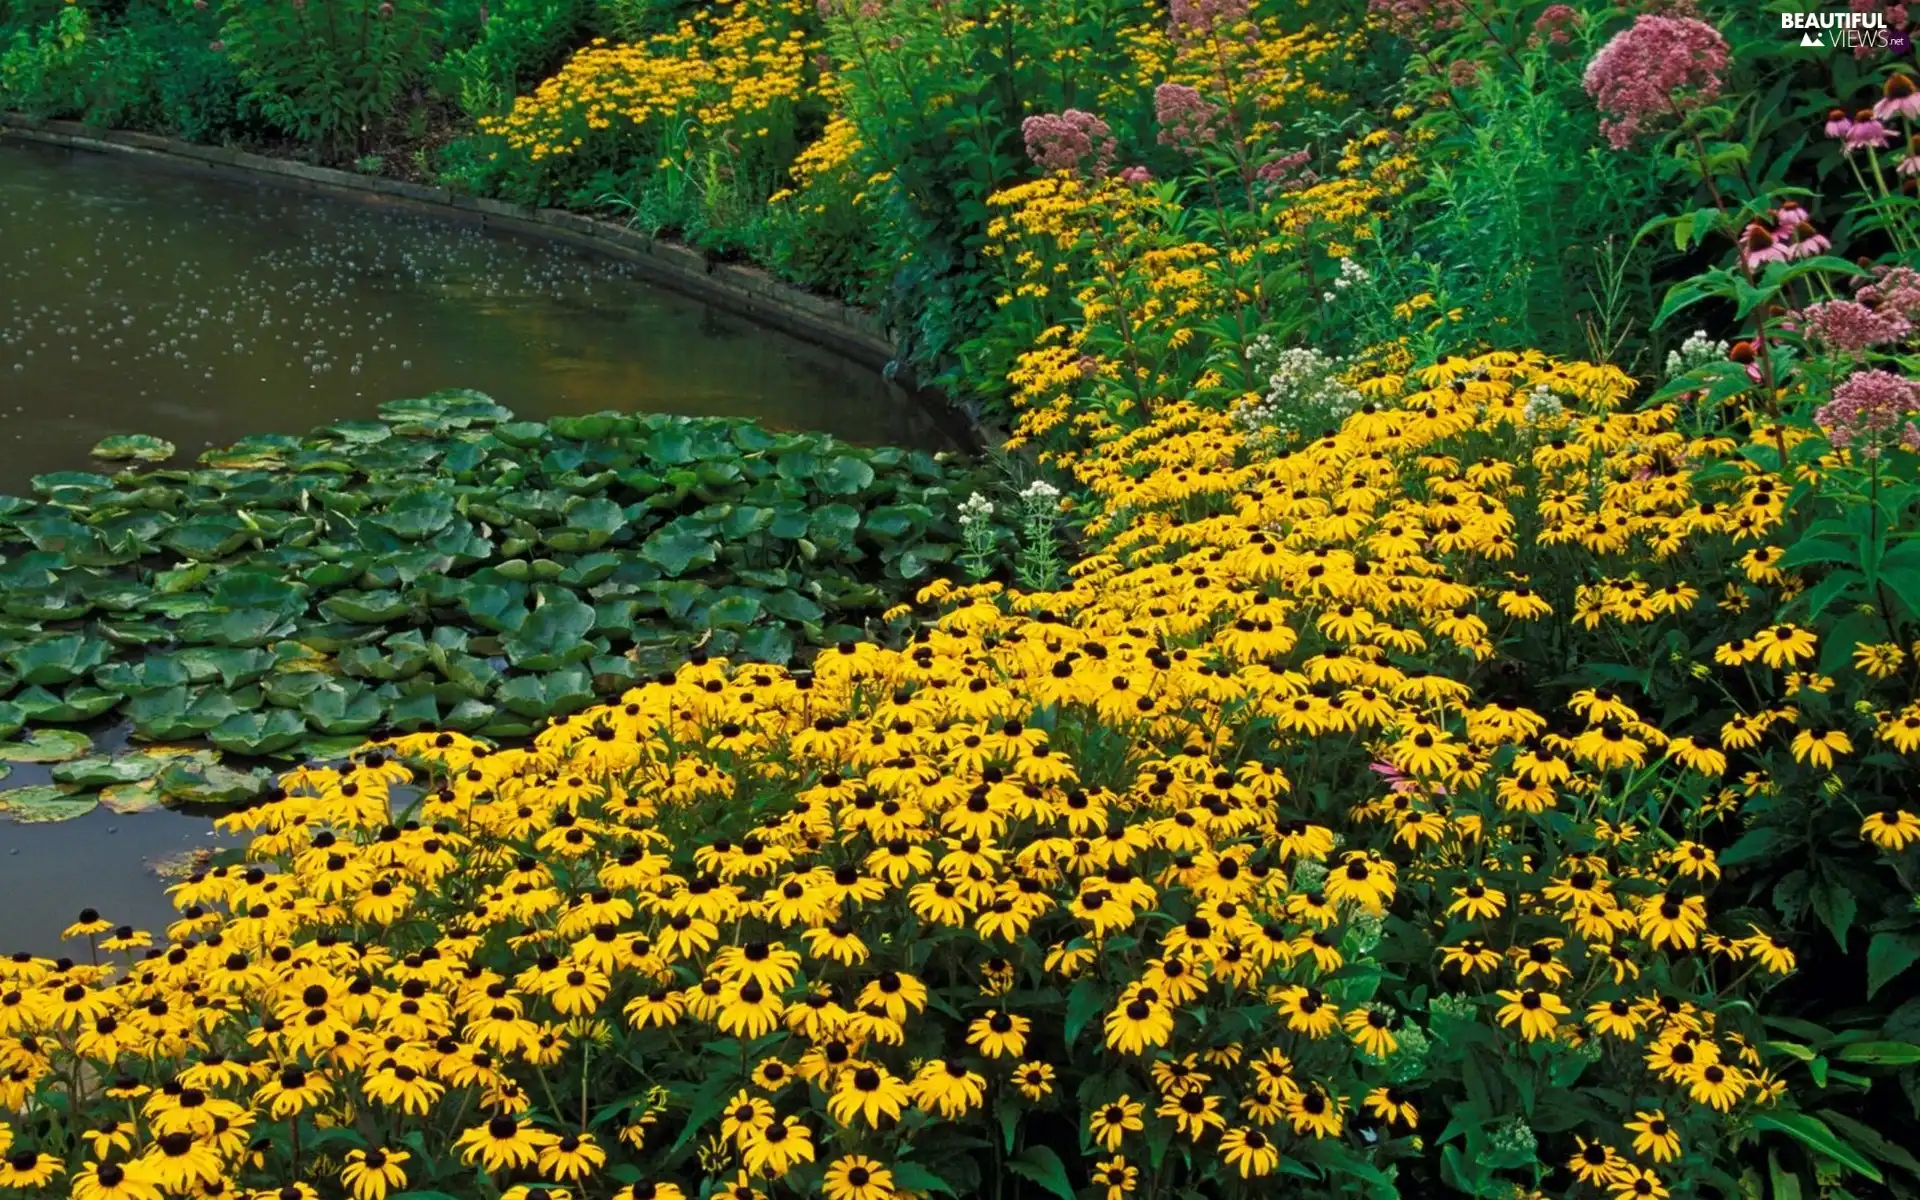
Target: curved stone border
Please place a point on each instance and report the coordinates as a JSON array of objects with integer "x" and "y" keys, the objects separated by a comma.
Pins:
[{"x": 854, "y": 333}]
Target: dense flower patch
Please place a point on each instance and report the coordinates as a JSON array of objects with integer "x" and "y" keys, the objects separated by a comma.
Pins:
[{"x": 1232, "y": 858}]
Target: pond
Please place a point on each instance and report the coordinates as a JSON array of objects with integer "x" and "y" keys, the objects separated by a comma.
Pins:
[{"x": 201, "y": 310}]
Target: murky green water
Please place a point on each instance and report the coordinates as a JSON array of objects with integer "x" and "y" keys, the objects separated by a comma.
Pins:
[
  {"x": 136, "y": 299},
  {"x": 151, "y": 300}
]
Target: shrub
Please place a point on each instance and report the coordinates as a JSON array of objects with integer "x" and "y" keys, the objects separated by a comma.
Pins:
[{"x": 330, "y": 72}]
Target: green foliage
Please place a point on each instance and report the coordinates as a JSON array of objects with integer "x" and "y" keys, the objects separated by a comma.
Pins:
[
  {"x": 445, "y": 564},
  {"x": 330, "y": 71}
]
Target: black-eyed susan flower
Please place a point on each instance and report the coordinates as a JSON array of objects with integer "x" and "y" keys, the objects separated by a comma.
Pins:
[
  {"x": 1034, "y": 1080},
  {"x": 29, "y": 1170},
  {"x": 1250, "y": 1152},
  {"x": 948, "y": 1088},
  {"x": 999, "y": 1033},
  {"x": 1635, "y": 1182},
  {"x": 371, "y": 1173},
  {"x": 1820, "y": 746},
  {"x": 1110, "y": 1123},
  {"x": 777, "y": 1147},
  {"x": 502, "y": 1144},
  {"x": 1390, "y": 1106},
  {"x": 1312, "y": 1111},
  {"x": 570, "y": 1157},
  {"x": 1116, "y": 1176},
  {"x": 1536, "y": 1012},
  {"x": 1654, "y": 1135},
  {"x": 113, "y": 1181},
  {"x": 869, "y": 1092},
  {"x": 857, "y": 1177},
  {"x": 1596, "y": 1162},
  {"x": 1891, "y": 829}
]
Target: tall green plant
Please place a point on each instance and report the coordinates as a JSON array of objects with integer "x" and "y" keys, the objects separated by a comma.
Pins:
[{"x": 330, "y": 72}]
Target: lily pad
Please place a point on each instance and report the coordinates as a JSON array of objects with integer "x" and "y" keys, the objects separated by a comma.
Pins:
[
  {"x": 46, "y": 746},
  {"x": 194, "y": 782},
  {"x": 258, "y": 733},
  {"x": 129, "y": 798},
  {"x": 100, "y": 770},
  {"x": 43, "y": 803},
  {"x": 133, "y": 446}
]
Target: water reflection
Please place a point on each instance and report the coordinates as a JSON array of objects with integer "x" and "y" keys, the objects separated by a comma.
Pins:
[{"x": 199, "y": 309}]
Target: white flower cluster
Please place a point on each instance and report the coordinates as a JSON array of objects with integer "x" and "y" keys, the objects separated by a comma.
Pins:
[
  {"x": 1514, "y": 1137},
  {"x": 1542, "y": 405},
  {"x": 1039, "y": 492},
  {"x": 1697, "y": 351},
  {"x": 1351, "y": 275},
  {"x": 1305, "y": 393},
  {"x": 977, "y": 510}
]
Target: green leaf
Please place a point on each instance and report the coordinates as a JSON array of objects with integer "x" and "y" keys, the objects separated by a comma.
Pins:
[
  {"x": 46, "y": 746},
  {"x": 843, "y": 476},
  {"x": 56, "y": 660},
  {"x": 366, "y": 608},
  {"x": 44, "y": 803},
  {"x": 554, "y": 636},
  {"x": 912, "y": 1177},
  {"x": 127, "y": 799},
  {"x": 1043, "y": 1167},
  {"x": 133, "y": 446},
  {"x": 194, "y": 780},
  {"x": 333, "y": 709},
  {"x": 1889, "y": 954},
  {"x": 677, "y": 553},
  {"x": 98, "y": 770},
  {"x": 1814, "y": 1134},
  {"x": 258, "y": 733},
  {"x": 1834, "y": 904},
  {"x": 1880, "y": 1054},
  {"x": 1084, "y": 1003}
]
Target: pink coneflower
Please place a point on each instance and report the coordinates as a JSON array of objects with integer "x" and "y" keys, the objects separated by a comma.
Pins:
[
  {"x": 1910, "y": 165},
  {"x": 1807, "y": 241},
  {"x": 1788, "y": 215},
  {"x": 1759, "y": 246},
  {"x": 1898, "y": 98},
  {"x": 1744, "y": 354},
  {"x": 1865, "y": 131},
  {"x": 1135, "y": 174},
  {"x": 1838, "y": 122}
]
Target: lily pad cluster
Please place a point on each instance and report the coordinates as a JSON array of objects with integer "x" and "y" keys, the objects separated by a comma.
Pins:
[
  {"x": 139, "y": 779},
  {"x": 448, "y": 566}
]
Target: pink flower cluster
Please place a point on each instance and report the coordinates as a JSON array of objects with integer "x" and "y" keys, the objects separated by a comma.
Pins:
[
  {"x": 1852, "y": 326},
  {"x": 1893, "y": 290},
  {"x": 1065, "y": 141},
  {"x": 1868, "y": 406},
  {"x": 1658, "y": 66},
  {"x": 1410, "y": 17},
  {"x": 1196, "y": 20},
  {"x": 1555, "y": 25},
  {"x": 1287, "y": 173},
  {"x": 1187, "y": 119}
]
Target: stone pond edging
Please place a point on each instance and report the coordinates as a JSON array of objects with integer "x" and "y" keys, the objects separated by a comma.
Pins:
[{"x": 854, "y": 333}]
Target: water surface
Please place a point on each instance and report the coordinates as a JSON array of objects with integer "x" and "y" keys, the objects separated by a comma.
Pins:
[
  {"x": 168, "y": 301},
  {"x": 201, "y": 309}
]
